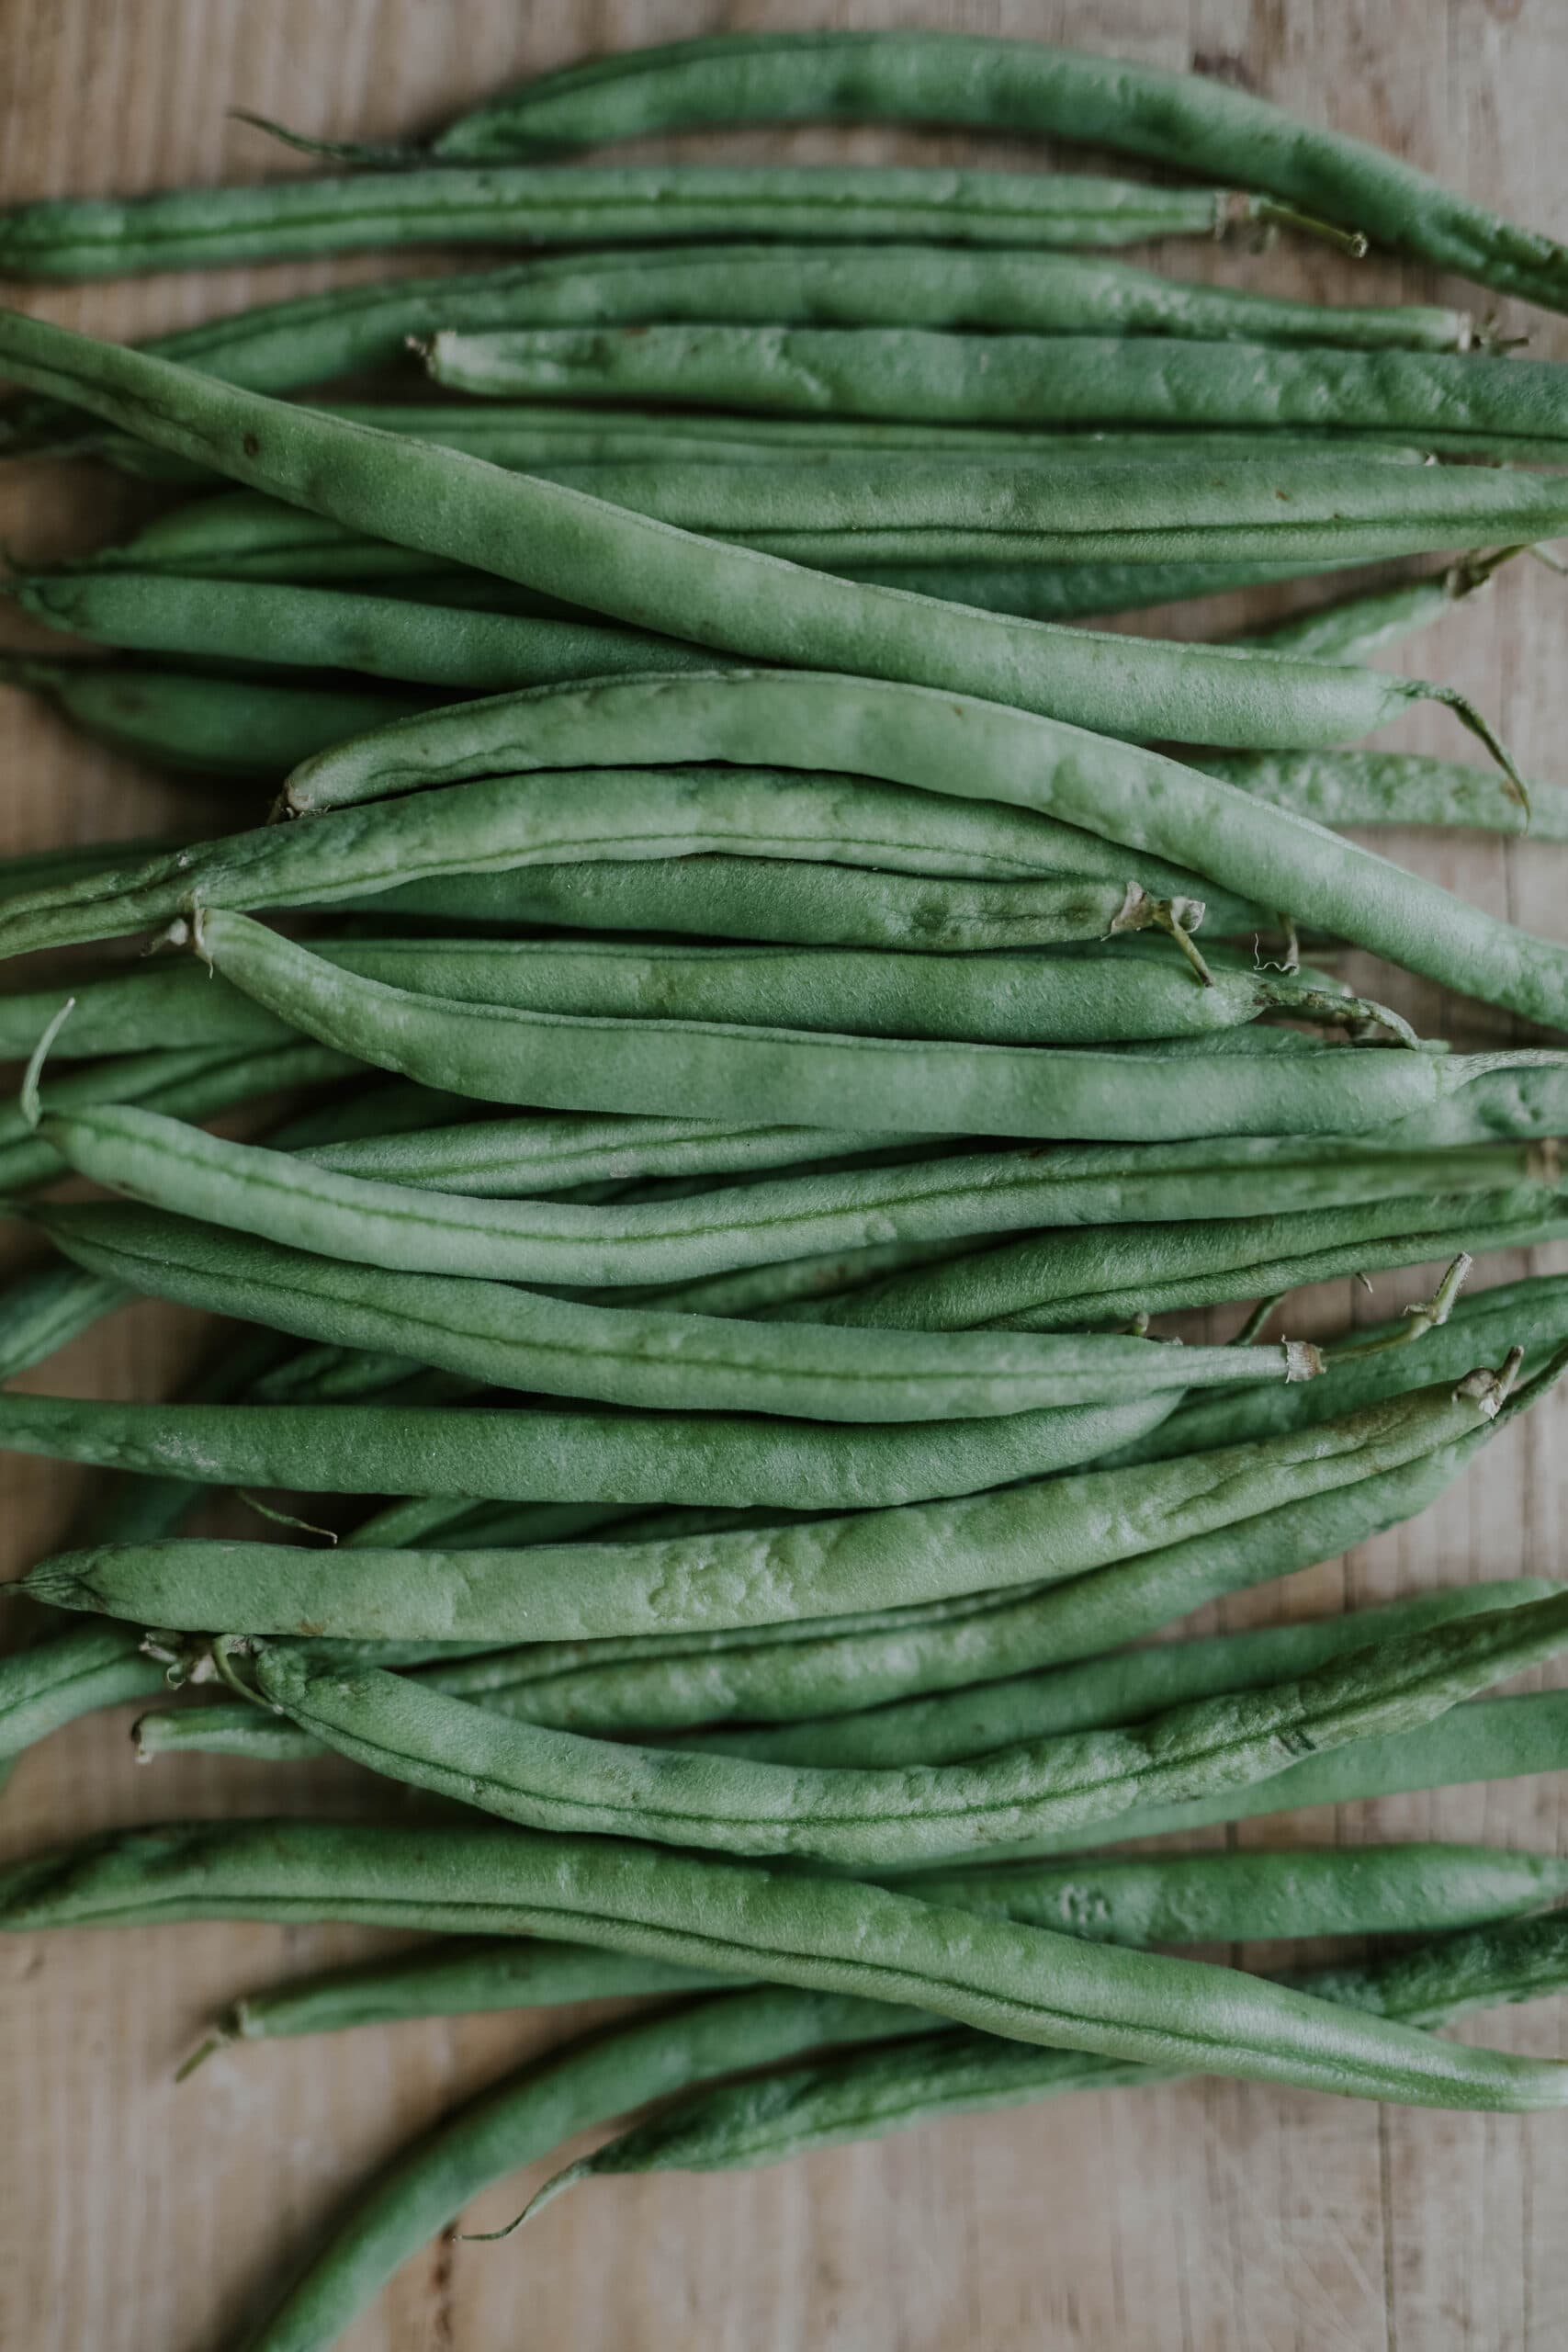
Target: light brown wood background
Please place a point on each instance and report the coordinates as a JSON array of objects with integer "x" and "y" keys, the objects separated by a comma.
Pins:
[{"x": 137, "y": 2218}]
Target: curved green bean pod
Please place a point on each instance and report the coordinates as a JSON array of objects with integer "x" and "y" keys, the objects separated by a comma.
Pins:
[
  {"x": 643, "y": 1357},
  {"x": 1098, "y": 996},
  {"x": 708, "y": 1069},
  {"x": 254, "y": 1190},
  {"x": 1485, "y": 1739},
  {"x": 945, "y": 1728},
  {"x": 955, "y": 1726},
  {"x": 217, "y": 726},
  {"x": 889, "y": 1816},
  {"x": 867, "y": 2092},
  {"x": 191, "y": 1083},
  {"x": 1047, "y": 1531},
  {"x": 547, "y": 536},
  {"x": 1179, "y": 1898},
  {"x": 786, "y": 901},
  {"x": 1268, "y": 855},
  {"x": 68, "y": 1675},
  {"x": 203, "y": 228},
  {"x": 1074, "y": 1278},
  {"x": 1354, "y": 628},
  {"x": 45, "y": 1307},
  {"x": 492, "y": 827},
  {"x": 1025, "y": 1982},
  {"x": 1351, "y": 787},
  {"x": 1193, "y": 122},
  {"x": 925, "y": 375},
  {"x": 339, "y": 628}
]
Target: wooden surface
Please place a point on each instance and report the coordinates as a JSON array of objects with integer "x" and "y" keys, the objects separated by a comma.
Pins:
[{"x": 137, "y": 2218}]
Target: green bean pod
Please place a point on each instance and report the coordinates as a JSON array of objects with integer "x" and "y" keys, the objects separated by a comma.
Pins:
[
  {"x": 865, "y": 2094},
  {"x": 1195, "y": 123},
  {"x": 547, "y": 536},
  {"x": 69, "y": 1675},
  {"x": 47, "y": 1306},
  {"x": 1179, "y": 1898},
  {"x": 1049, "y": 1531},
  {"x": 1351, "y": 787},
  {"x": 1020, "y": 379},
  {"x": 203, "y": 228}
]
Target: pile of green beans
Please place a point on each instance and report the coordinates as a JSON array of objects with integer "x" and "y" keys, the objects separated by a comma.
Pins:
[{"x": 754, "y": 1020}]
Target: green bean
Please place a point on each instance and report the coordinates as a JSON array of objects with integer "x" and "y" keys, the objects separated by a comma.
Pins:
[
  {"x": 492, "y": 827},
  {"x": 384, "y": 1107},
  {"x": 567, "y": 1456},
  {"x": 1091, "y": 997},
  {"x": 635, "y": 569},
  {"x": 1354, "y": 628},
  {"x": 948, "y": 1728},
  {"x": 1179, "y": 1898},
  {"x": 1193, "y": 122},
  {"x": 535, "y": 1153},
  {"x": 876, "y": 512},
  {"x": 47, "y": 1306},
  {"x": 1351, "y": 787},
  {"x": 1531, "y": 1314},
  {"x": 528, "y": 1341},
  {"x": 1028, "y": 1983},
  {"x": 1268, "y": 855},
  {"x": 271, "y": 1194},
  {"x": 709, "y": 1069},
  {"x": 782, "y": 900},
  {"x": 1486, "y": 1739},
  {"x": 189, "y": 1083},
  {"x": 867, "y": 2092},
  {"x": 1068, "y": 1279},
  {"x": 204, "y": 228},
  {"x": 1049, "y": 1530},
  {"x": 839, "y": 1666},
  {"x": 889, "y": 1816},
  {"x": 1020, "y": 379},
  {"x": 339, "y": 628},
  {"x": 38, "y": 869},
  {"x": 218, "y": 727},
  {"x": 955, "y": 1726},
  {"x": 68, "y": 1675}
]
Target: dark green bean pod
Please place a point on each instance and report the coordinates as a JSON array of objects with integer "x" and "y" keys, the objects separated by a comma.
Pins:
[
  {"x": 1192, "y": 122},
  {"x": 46, "y": 1306},
  {"x": 68, "y": 1675}
]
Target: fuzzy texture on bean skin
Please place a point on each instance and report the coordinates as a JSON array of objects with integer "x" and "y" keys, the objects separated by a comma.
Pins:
[
  {"x": 1050, "y": 1530},
  {"x": 709, "y": 1069},
  {"x": 1192, "y": 122},
  {"x": 866, "y": 2093},
  {"x": 77, "y": 237},
  {"x": 547, "y": 536},
  {"x": 1019, "y": 380},
  {"x": 211, "y": 727},
  {"x": 492, "y": 828},
  {"x": 323, "y": 627},
  {"x": 1102, "y": 995},
  {"x": 541, "y": 1455},
  {"x": 1270, "y": 856},
  {"x": 870, "y": 1817},
  {"x": 1179, "y": 1898},
  {"x": 1025, "y": 1982},
  {"x": 643, "y": 1357},
  {"x": 251, "y": 1189}
]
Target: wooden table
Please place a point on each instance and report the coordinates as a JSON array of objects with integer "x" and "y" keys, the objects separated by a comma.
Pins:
[{"x": 136, "y": 2217}]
